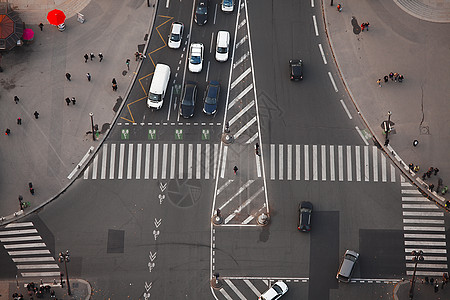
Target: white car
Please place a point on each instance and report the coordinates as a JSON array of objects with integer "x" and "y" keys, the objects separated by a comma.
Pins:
[
  {"x": 227, "y": 5},
  {"x": 222, "y": 46},
  {"x": 196, "y": 57},
  {"x": 277, "y": 290},
  {"x": 176, "y": 35}
]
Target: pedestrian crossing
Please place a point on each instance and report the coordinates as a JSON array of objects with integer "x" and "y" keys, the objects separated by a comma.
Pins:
[
  {"x": 424, "y": 229},
  {"x": 200, "y": 161},
  {"x": 28, "y": 251}
]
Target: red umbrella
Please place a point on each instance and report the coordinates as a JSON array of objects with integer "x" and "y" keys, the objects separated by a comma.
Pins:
[
  {"x": 56, "y": 17},
  {"x": 28, "y": 34}
]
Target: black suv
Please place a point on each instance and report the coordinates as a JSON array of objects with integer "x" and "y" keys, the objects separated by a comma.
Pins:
[
  {"x": 201, "y": 12},
  {"x": 189, "y": 99},
  {"x": 296, "y": 66},
  {"x": 304, "y": 216}
]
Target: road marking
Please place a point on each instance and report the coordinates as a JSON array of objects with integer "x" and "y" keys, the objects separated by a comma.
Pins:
[
  {"x": 362, "y": 136},
  {"x": 429, "y": 258},
  {"x": 243, "y": 205},
  {"x": 240, "y": 96},
  {"x": 155, "y": 160},
  {"x": 241, "y": 41},
  {"x": 180, "y": 161},
  {"x": 23, "y": 224},
  {"x": 280, "y": 162},
  {"x": 224, "y": 161},
  {"x": 341, "y": 163},
  {"x": 315, "y": 170},
  {"x": 316, "y": 30},
  {"x": 306, "y": 148},
  {"x": 423, "y": 221},
  {"x": 190, "y": 158},
  {"x": 332, "y": 81},
  {"x": 428, "y": 251},
  {"x": 198, "y": 162},
  {"x": 207, "y": 71},
  {"x": 241, "y": 189},
  {"x": 423, "y": 213},
  {"x": 28, "y": 252},
  {"x": 104, "y": 161},
  {"x": 21, "y": 239},
  {"x": 424, "y": 273},
  {"x": 224, "y": 186},
  {"x": 252, "y": 287},
  {"x": 423, "y": 236},
  {"x": 20, "y": 231},
  {"x": 173, "y": 155},
  {"x": 225, "y": 294},
  {"x": 349, "y": 163},
  {"x": 18, "y": 246},
  {"x": 164, "y": 162},
  {"x": 234, "y": 288},
  {"x": 413, "y": 228},
  {"x": 425, "y": 243},
  {"x": 332, "y": 166},
  {"x": 366, "y": 163},
  {"x": 167, "y": 3},
  {"x": 243, "y": 111},
  {"x": 325, "y": 62},
  {"x": 138, "y": 161},
  {"x": 289, "y": 162},
  {"x": 94, "y": 167},
  {"x": 121, "y": 157},
  {"x": 130, "y": 161},
  {"x": 242, "y": 24},
  {"x": 415, "y": 206},
  {"x": 252, "y": 139},
  {"x": 215, "y": 14},
  {"x": 32, "y": 259},
  {"x": 431, "y": 266},
  {"x": 43, "y": 266},
  {"x": 207, "y": 160},
  {"x": 147, "y": 161},
  {"x": 411, "y": 192},
  {"x": 375, "y": 163},
  {"x": 112, "y": 161},
  {"x": 272, "y": 161},
  {"x": 243, "y": 57},
  {"x": 41, "y": 274},
  {"x": 258, "y": 165},
  {"x": 358, "y": 163},
  {"x": 392, "y": 173},
  {"x": 239, "y": 79},
  {"x": 216, "y": 156},
  {"x": 297, "y": 162},
  {"x": 244, "y": 128},
  {"x": 346, "y": 109},
  {"x": 211, "y": 45},
  {"x": 383, "y": 168}
]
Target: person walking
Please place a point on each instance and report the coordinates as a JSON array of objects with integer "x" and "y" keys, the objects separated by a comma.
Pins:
[
  {"x": 16, "y": 99},
  {"x": 19, "y": 121},
  {"x": 114, "y": 87},
  {"x": 416, "y": 169},
  {"x": 86, "y": 57},
  {"x": 400, "y": 78},
  {"x": 339, "y": 7},
  {"x": 68, "y": 101},
  {"x": 395, "y": 76},
  {"x": 136, "y": 55},
  {"x": 114, "y": 81},
  {"x": 366, "y": 25},
  {"x": 436, "y": 170},
  {"x": 235, "y": 169},
  {"x": 36, "y": 114},
  {"x": 100, "y": 55},
  {"x": 362, "y": 26},
  {"x": 386, "y": 78},
  {"x": 68, "y": 76},
  {"x": 431, "y": 187},
  {"x": 41, "y": 26},
  {"x": 73, "y": 100},
  {"x": 7, "y": 131},
  {"x": 128, "y": 63},
  {"x": 92, "y": 56},
  {"x": 379, "y": 82},
  {"x": 391, "y": 76},
  {"x": 88, "y": 75}
]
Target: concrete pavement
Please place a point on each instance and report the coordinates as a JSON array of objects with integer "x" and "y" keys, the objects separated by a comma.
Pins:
[
  {"x": 422, "y": 291},
  {"x": 45, "y": 151},
  {"x": 404, "y": 43}
]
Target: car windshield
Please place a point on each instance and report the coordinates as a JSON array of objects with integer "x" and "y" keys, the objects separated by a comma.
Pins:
[
  {"x": 210, "y": 100},
  {"x": 201, "y": 10},
  {"x": 154, "y": 97},
  {"x": 175, "y": 37},
  {"x": 195, "y": 60},
  {"x": 227, "y": 3},
  {"x": 277, "y": 289},
  {"x": 222, "y": 50},
  {"x": 350, "y": 257}
]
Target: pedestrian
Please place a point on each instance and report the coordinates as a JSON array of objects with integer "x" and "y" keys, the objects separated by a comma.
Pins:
[
  {"x": 362, "y": 26},
  {"x": 73, "y": 100},
  {"x": 424, "y": 176},
  {"x": 391, "y": 76},
  {"x": 68, "y": 101},
  {"x": 41, "y": 26},
  {"x": 395, "y": 76},
  {"x": 257, "y": 149},
  {"x": 400, "y": 78},
  {"x": 36, "y": 114},
  {"x": 386, "y": 78},
  {"x": 92, "y": 56},
  {"x": 7, "y": 131},
  {"x": 379, "y": 82},
  {"x": 68, "y": 76},
  {"x": 137, "y": 54},
  {"x": 114, "y": 81},
  {"x": 100, "y": 55},
  {"x": 16, "y": 99},
  {"x": 114, "y": 87},
  {"x": 19, "y": 121},
  {"x": 426, "y": 279},
  {"x": 416, "y": 169},
  {"x": 428, "y": 173},
  {"x": 30, "y": 185},
  {"x": 339, "y": 7},
  {"x": 431, "y": 190},
  {"x": 366, "y": 25},
  {"x": 436, "y": 287},
  {"x": 431, "y": 170},
  {"x": 128, "y": 63},
  {"x": 235, "y": 169},
  {"x": 431, "y": 280},
  {"x": 86, "y": 57},
  {"x": 411, "y": 166},
  {"x": 88, "y": 75}
]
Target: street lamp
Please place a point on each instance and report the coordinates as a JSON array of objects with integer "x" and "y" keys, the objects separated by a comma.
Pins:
[
  {"x": 65, "y": 257},
  {"x": 92, "y": 125},
  {"x": 417, "y": 256}
]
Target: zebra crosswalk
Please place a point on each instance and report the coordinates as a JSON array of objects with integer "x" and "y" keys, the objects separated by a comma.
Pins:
[
  {"x": 27, "y": 250},
  {"x": 424, "y": 229}
]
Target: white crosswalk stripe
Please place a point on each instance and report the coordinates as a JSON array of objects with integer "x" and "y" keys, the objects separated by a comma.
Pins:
[
  {"x": 330, "y": 162},
  {"x": 28, "y": 256},
  {"x": 155, "y": 161},
  {"x": 423, "y": 230}
]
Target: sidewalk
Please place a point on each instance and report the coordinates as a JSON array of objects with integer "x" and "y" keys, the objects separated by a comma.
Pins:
[
  {"x": 45, "y": 151},
  {"x": 421, "y": 291},
  {"x": 398, "y": 42},
  {"x": 80, "y": 289}
]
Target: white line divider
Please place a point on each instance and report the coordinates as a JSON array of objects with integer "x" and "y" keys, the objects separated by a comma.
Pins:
[
  {"x": 252, "y": 287},
  {"x": 225, "y": 294},
  {"x": 332, "y": 81},
  {"x": 289, "y": 162},
  {"x": 19, "y": 246},
  {"x": 315, "y": 169},
  {"x": 325, "y": 62},
  {"x": 324, "y": 158},
  {"x": 155, "y": 160},
  {"x": 164, "y": 161},
  {"x": 198, "y": 162},
  {"x": 190, "y": 158},
  {"x": 173, "y": 155},
  {"x": 358, "y": 163},
  {"x": 252, "y": 139},
  {"x": 224, "y": 186},
  {"x": 243, "y": 205},
  {"x": 207, "y": 160},
  {"x": 241, "y": 189},
  {"x": 341, "y": 163},
  {"x": 94, "y": 167},
  {"x": 104, "y": 162},
  {"x": 272, "y": 161},
  {"x": 235, "y": 289},
  {"x": 180, "y": 161},
  {"x": 349, "y": 163},
  {"x": 29, "y": 252},
  {"x": 306, "y": 147},
  {"x": 258, "y": 165},
  {"x": 112, "y": 161},
  {"x": 332, "y": 166},
  {"x": 366, "y": 164},
  {"x": 130, "y": 162},
  {"x": 240, "y": 95},
  {"x": 242, "y": 76},
  {"x": 346, "y": 109},
  {"x": 22, "y": 224},
  {"x": 241, "y": 41},
  {"x": 244, "y": 128},
  {"x": 121, "y": 157},
  {"x": 316, "y": 30},
  {"x": 280, "y": 162},
  {"x": 242, "y": 112},
  {"x": 20, "y": 231},
  {"x": 138, "y": 161},
  {"x": 375, "y": 164},
  {"x": 224, "y": 161},
  {"x": 297, "y": 162}
]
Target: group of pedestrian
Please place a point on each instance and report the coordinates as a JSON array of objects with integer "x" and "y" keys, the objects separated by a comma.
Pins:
[
  {"x": 435, "y": 282},
  {"x": 365, "y": 26},
  {"x": 430, "y": 171},
  {"x": 19, "y": 119},
  {"x": 39, "y": 290},
  {"x": 68, "y": 100},
  {"x": 138, "y": 56},
  {"x": 92, "y": 56},
  {"x": 392, "y": 76},
  {"x": 414, "y": 168}
]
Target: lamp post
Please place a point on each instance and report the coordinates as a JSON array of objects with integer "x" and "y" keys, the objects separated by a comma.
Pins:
[
  {"x": 417, "y": 256},
  {"x": 65, "y": 257},
  {"x": 92, "y": 125}
]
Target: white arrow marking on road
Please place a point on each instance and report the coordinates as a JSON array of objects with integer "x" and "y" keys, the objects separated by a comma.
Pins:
[
  {"x": 152, "y": 256},
  {"x": 162, "y": 186},
  {"x": 146, "y": 296},
  {"x": 161, "y": 198},
  {"x": 157, "y": 223},
  {"x": 155, "y": 233},
  {"x": 148, "y": 286},
  {"x": 151, "y": 266}
]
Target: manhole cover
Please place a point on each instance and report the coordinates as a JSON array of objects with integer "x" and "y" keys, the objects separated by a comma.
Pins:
[{"x": 424, "y": 130}]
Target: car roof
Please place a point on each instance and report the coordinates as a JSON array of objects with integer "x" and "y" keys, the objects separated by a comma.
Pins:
[{"x": 177, "y": 26}]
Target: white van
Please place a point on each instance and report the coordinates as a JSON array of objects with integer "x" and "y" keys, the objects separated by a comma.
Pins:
[
  {"x": 158, "y": 86},
  {"x": 222, "y": 46}
]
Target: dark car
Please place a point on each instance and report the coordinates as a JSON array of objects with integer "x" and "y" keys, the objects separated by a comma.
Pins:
[
  {"x": 201, "y": 12},
  {"x": 296, "y": 66},
  {"x": 304, "y": 216},
  {"x": 188, "y": 100},
  {"x": 211, "y": 98}
]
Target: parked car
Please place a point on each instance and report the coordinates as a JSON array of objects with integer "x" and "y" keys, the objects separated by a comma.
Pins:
[
  {"x": 201, "y": 12},
  {"x": 304, "y": 216},
  {"x": 227, "y": 5},
  {"x": 296, "y": 68},
  {"x": 277, "y": 290},
  {"x": 188, "y": 101},
  {"x": 222, "y": 46},
  {"x": 176, "y": 35},
  {"x": 211, "y": 98},
  {"x": 347, "y": 266},
  {"x": 196, "y": 57}
]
